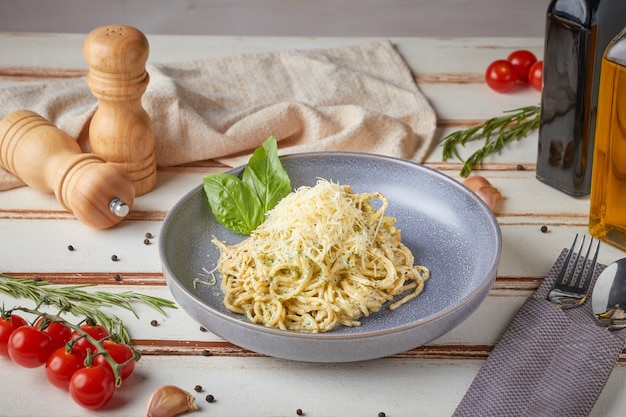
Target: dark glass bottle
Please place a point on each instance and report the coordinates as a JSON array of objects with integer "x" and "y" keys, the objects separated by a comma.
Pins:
[{"x": 577, "y": 33}]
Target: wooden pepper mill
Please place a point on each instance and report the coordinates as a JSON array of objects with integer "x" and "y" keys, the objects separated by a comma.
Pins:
[
  {"x": 48, "y": 159},
  {"x": 121, "y": 130}
]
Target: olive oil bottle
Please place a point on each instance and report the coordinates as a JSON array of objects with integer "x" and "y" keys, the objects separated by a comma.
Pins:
[
  {"x": 607, "y": 216},
  {"x": 577, "y": 33}
]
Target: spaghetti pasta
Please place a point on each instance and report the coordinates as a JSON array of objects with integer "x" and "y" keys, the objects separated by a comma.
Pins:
[{"x": 325, "y": 256}]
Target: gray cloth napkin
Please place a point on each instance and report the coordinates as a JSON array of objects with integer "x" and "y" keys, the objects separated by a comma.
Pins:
[{"x": 549, "y": 362}]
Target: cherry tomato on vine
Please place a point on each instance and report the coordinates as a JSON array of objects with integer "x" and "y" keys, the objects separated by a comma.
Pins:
[
  {"x": 500, "y": 76},
  {"x": 92, "y": 387},
  {"x": 97, "y": 331},
  {"x": 522, "y": 60},
  {"x": 7, "y": 326},
  {"x": 59, "y": 332},
  {"x": 29, "y": 347},
  {"x": 61, "y": 366},
  {"x": 535, "y": 75},
  {"x": 121, "y": 353}
]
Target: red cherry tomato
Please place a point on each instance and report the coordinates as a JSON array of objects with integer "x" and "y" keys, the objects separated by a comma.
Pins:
[
  {"x": 500, "y": 76},
  {"x": 61, "y": 366},
  {"x": 7, "y": 327},
  {"x": 522, "y": 60},
  {"x": 97, "y": 332},
  {"x": 121, "y": 353},
  {"x": 29, "y": 347},
  {"x": 92, "y": 387},
  {"x": 535, "y": 75},
  {"x": 59, "y": 332}
]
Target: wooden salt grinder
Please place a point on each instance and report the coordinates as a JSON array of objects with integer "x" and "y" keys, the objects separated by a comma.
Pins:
[
  {"x": 121, "y": 131},
  {"x": 49, "y": 160}
]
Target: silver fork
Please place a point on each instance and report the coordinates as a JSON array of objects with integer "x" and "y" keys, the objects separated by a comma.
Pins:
[{"x": 572, "y": 285}]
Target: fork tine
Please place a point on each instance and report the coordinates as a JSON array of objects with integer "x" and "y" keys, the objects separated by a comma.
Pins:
[
  {"x": 584, "y": 281},
  {"x": 565, "y": 266},
  {"x": 573, "y": 278}
]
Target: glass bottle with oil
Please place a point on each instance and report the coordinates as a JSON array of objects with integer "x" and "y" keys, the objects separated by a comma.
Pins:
[
  {"x": 607, "y": 214},
  {"x": 577, "y": 33}
]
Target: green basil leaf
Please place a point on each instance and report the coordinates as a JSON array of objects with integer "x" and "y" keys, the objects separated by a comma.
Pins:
[
  {"x": 242, "y": 204},
  {"x": 266, "y": 175},
  {"x": 233, "y": 202}
]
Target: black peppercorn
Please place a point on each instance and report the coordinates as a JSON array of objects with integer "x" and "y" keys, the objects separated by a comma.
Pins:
[
  {"x": 203, "y": 329},
  {"x": 148, "y": 235},
  {"x": 146, "y": 241},
  {"x": 197, "y": 388},
  {"x": 154, "y": 323},
  {"x": 70, "y": 248},
  {"x": 544, "y": 229},
  {"x": 299, "y": 412},
  {"x": 381, "y": 414},
  {"x": 117, "y": 277},
  {"x": 206, "y": 352},
  {"x": 209, "y": 398},
  {"x": 114, "y": 258}
]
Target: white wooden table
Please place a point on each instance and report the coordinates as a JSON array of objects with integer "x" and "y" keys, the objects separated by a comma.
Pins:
[{"x": 426, "y": 381}]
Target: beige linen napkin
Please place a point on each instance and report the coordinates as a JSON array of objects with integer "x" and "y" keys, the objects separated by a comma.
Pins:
[
  {"x": 549, "y": 362},
  {"x": 356, "y": 98}
]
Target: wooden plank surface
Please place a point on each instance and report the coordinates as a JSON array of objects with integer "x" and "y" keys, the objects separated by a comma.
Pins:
[{"x": 429, "y": 380}]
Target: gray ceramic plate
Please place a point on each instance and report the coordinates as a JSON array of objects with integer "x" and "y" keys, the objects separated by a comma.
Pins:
[{"x": 447, "y": 227}]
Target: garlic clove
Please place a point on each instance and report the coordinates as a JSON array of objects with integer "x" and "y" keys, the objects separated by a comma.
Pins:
[
  {"x": 476, "y": 182},
  {"x": 483, "y": 188},
  {"x": 490, "y": 196},
  {"x": 170, "y": 401}
]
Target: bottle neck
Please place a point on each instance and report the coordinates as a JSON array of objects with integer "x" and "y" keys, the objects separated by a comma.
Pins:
[{"x": 616, "y": 51}]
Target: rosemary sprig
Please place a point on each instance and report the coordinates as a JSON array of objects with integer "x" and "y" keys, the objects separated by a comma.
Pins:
[
  {"x": 514, "y": 125},
  {"x": 75, "y": 300}
]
